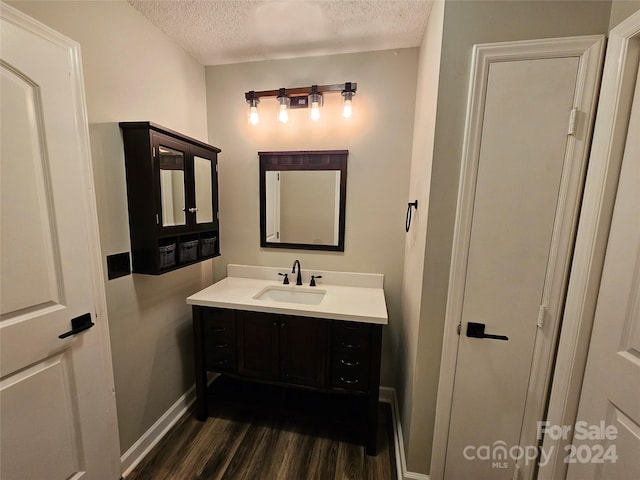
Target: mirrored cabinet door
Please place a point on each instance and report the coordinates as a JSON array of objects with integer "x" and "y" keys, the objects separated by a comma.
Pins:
[
  {"x": 203, "y": 184},
  {"x": 172, "y": 186}
]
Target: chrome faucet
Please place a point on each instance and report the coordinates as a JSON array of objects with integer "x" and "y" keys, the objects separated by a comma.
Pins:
[{"x": 293, "y": 270}]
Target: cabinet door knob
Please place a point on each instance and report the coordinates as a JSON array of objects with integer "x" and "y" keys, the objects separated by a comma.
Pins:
[{"x": 193, "y": 210}]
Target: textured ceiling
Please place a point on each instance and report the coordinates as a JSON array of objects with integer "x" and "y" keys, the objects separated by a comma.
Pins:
[{"x": 232, "y": 31}]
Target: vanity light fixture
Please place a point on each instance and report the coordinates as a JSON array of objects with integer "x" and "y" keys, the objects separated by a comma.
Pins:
[{"x": 302, "y": 97}]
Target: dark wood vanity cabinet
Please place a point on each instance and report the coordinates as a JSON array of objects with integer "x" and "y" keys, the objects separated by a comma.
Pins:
[
  {"x": 282, "y": 348},
  {"x": 326, "y": 355},
  {"x": 172, "y": 191}
]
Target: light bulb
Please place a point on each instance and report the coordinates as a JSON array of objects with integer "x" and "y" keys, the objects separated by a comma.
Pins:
[
  {"x": 315, "y": 102},
  {"x": 284, "y": 101},
  {"x": 347, "y": 109},
  {"x": 283, "y": 114},
  {"x": 314, "y": 114},
  {"x": 254, "y": 118}
]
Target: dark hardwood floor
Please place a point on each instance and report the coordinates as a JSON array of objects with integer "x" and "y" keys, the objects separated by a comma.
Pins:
[{"x": 266, "y": 433}]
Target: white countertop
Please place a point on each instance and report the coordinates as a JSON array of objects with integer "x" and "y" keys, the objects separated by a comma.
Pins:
[{"x": 350, "y": 302}]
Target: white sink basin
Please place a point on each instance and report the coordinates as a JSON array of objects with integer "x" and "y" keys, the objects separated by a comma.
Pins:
[{"x": 306, "y": 296}]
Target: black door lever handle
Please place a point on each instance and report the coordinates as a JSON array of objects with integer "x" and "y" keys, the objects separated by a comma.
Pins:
[
  {"x": 79, "y": 324},
  {"x": 476, "y": 330}
]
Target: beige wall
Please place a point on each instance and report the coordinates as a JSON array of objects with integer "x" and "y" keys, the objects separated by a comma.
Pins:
[
  {"x": 378, "y": 138},
  {"x": 465, "y": 24},
  {"x": 409, "y": 372},
  {"x": 122, "y": 55},
  {"x": 621, "y": 9}
]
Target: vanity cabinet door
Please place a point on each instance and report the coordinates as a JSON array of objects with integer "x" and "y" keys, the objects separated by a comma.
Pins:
[
  {"x": 203, "y": 197},
  {"x": 171, "y": 168},
  {"x": 258, "y": 345},
  {"x": 303, "y": 351}
]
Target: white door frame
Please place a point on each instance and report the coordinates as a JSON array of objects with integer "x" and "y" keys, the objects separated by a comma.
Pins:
[
  {"x": 590, "y": 50},
  {"x": 619, "y": 76},
  {"x": 101, "y": 327}
]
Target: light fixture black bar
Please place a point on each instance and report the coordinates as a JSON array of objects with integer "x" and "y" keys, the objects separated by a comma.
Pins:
[{"x": 292, "y": 92}]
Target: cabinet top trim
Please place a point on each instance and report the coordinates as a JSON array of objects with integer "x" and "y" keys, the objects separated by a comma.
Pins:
[{"x": 166, "y": 131}]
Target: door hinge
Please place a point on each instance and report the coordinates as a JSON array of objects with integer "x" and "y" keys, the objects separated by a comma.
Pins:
[
  {"x": 459, "y": 327},
  {"x": 278, "y": 235},
  {"x": 573, "y": 116},
  {"x": 278, "y": 176},
  {"x": 542, "y": 315}
]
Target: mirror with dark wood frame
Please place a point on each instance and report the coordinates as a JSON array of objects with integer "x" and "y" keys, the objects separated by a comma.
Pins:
[{"x": 303, "y": 199}]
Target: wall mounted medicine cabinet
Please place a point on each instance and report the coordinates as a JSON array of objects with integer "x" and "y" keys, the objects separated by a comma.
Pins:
[{"x": 172, "y": 190}]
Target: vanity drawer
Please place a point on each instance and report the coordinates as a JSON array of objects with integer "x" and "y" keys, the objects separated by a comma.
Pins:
[
  {"x": 219, "y": 324},
  {"x": 350, "y": 371},
  {"x": 219, "y": 354},
  {"x": 351, "y": 337},
  {"x": 219, "y": 339}
]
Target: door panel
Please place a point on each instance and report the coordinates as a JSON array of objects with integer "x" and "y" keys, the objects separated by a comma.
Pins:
[
  {"x": 611, "y": 389},
  {"x": 32, "y": 422},
  {"x": 27, "y": 237},
  {"x": 56, "y": 395},
  {"x": 517, "y": 200}
]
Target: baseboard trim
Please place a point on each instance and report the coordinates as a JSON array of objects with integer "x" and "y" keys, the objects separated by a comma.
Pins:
[
  {"x": 388, "y": 395},
  {"x": 136, "y": 453}
]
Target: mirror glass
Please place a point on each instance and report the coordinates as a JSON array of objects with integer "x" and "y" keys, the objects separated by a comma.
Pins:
[
  {"x": 172, "y": 186},
  {"x": 303, "y": 206},
  {"x": 302, "y": 203},
  {"x": 202, "y": 173}
]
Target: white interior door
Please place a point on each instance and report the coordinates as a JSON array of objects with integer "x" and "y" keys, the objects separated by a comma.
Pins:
[
  {"x": 610, "y": 399},
  {"x": 56, "y": 394},
  {"x": 519, "y": 205}
]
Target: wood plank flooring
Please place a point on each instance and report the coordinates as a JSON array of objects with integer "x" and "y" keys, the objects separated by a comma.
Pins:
[{"x": 239, "y": 442}]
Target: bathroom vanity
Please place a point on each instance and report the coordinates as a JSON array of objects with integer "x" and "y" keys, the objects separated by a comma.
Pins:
[{"x": 325, "y": 338}]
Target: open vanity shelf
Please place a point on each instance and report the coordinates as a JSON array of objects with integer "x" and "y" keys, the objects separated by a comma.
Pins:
[{"x": 172, "y": 189}]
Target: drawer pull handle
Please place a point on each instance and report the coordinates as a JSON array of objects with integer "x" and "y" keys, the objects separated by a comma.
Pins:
[
  {"x": 352, "y": 327},
  {"x": 351, "y": 345},
  {"x": 222, "y": 345},
  {"x": 219, "y": 329},
  {"x": 349, "y": 364},
  {"x": 350, "y": 382},
  {"x": 220, "y": 362}
]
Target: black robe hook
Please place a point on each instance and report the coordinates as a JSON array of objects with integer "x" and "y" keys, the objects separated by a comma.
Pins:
[{"x": 407, "y": 223}]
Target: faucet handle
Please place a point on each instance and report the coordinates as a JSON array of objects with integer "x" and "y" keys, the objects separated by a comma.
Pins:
[
  {"x": 312, "y": 283},
  {"x": 286, "y": 278}
]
